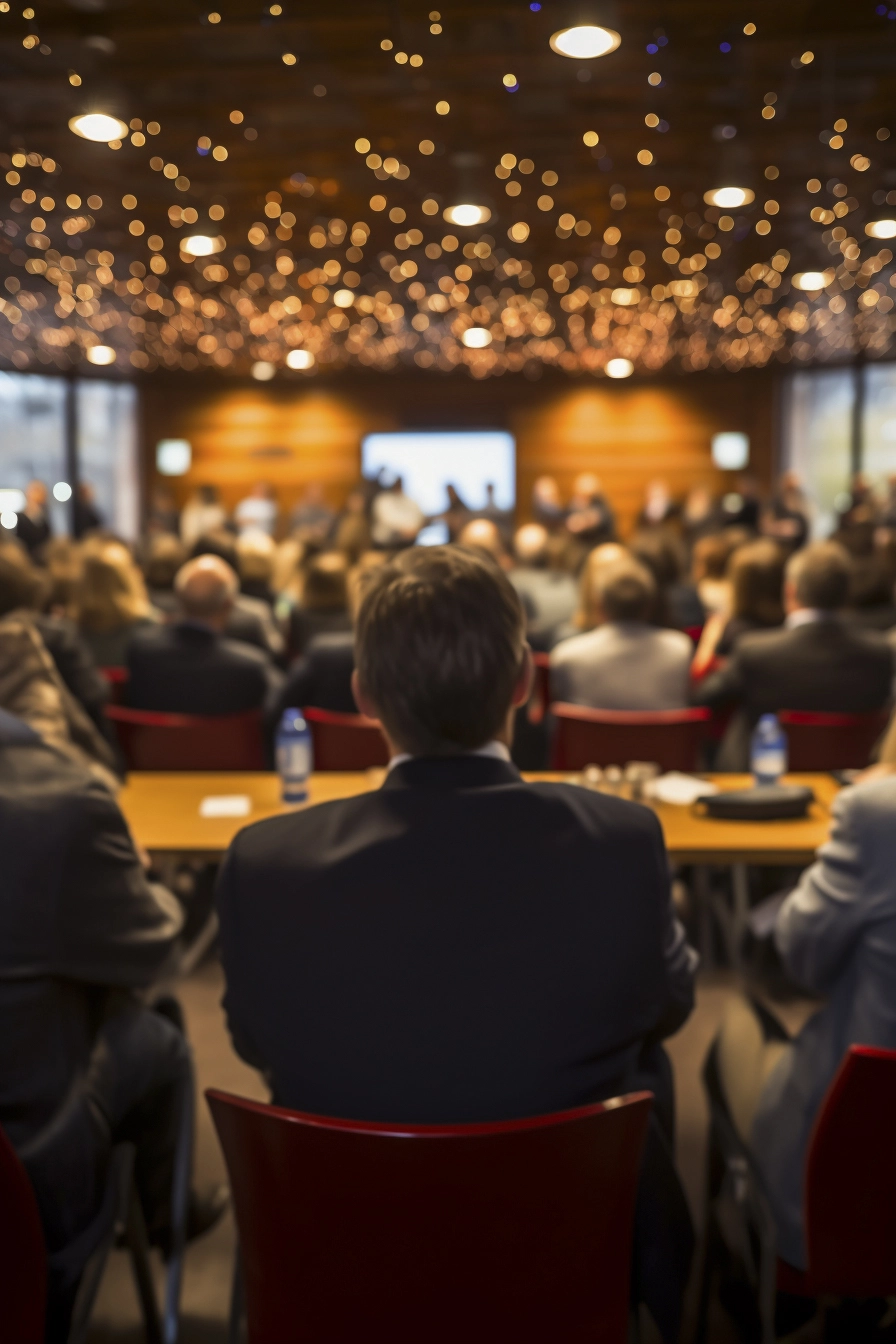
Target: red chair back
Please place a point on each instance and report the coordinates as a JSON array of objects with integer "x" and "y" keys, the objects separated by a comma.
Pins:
[
  {"x": 23, "y": 1257},
  {"x": 540, "y": 696},
  {"x": 117, "y": 678},
  {"x": 830, "y": 741},
  {"x": 345, "y": 741},
  {"x": 850, "y": 1201},
  {"x": 671, "y": 737},
  {"x": 155, "y": 741},
  {"x": 383, "y": 1232}
]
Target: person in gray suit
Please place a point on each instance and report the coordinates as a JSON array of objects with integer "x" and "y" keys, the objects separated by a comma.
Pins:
[
  {"x": 625, "y": 663},
  {"x": 836, "y": 933}
]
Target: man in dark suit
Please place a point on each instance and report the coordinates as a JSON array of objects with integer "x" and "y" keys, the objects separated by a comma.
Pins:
[
  {"x": 816, "y": 662},
  {"x": 322, "y": 676},
  {"x": 84, "y": 1062},
  {"x": 33, "y": 523},
  {"x": 189, "y": 666},
  {"x": 456, "y": 945}
]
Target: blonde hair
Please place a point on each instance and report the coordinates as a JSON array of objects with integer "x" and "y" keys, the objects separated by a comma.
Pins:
[
  {"x": 601, "y": 558},
  {"x": 110, "y": 592}
]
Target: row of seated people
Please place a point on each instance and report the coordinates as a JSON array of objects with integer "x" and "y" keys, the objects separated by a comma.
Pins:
[{"x": 365, "y": 941}]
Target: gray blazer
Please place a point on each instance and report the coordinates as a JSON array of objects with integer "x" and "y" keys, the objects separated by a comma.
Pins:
[
  {"x": 623, "y": 665},
  {"x": 837, "y": 935}
]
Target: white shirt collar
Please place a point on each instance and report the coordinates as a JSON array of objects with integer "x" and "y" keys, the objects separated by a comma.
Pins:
[
  {"x": 496, "y": 750},
  {"x": 806, "y": 616}
]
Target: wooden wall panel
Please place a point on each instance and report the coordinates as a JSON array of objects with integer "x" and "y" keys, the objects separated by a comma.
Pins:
[{"x": 628, "y": 434}]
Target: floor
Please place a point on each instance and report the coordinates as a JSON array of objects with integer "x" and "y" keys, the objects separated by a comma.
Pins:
[{"x": 209, "y": 1262}]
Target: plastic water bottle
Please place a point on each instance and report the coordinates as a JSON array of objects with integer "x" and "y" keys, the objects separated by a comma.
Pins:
[
  {"x": 768, "y": 750},
  {"x": 294, "y": 756}
]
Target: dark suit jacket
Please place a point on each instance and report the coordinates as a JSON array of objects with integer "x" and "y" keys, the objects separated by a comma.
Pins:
[
  {"x": 323, "y": 675},
  {"x": 828, "y": 666},
  {"x": 187, "y": 668},
  {"x": 456, "y": 946},
  {"x": 78, "y": 921},
  {"x": 75, "y": 665}
]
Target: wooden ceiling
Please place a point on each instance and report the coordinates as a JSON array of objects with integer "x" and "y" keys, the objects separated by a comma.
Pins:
[{"x": 758, "y": 110}]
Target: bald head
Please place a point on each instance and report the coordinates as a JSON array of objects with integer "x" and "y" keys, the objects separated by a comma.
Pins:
[
  {"x": 484, "y": 535},
  {"x": 207, "y": 588},
  {"x": 531, "y": 544}
]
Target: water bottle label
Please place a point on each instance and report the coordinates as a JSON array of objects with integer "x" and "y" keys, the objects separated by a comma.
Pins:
[
  {"x": 769, "y": 764},
  {"x": 293, "y": 766}
]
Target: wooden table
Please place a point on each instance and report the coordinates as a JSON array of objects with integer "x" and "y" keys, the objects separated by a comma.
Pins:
[{"x": 163, "y": 812}]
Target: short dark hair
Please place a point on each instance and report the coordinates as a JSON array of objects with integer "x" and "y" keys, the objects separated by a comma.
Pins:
[
  {"x": 821, "y": 575},
  {"x": 439, "y": 643},
  {"x": 626, "y": 591},
  {"x": 756, "y": 572},
  {"x": 219, "y": 543}
]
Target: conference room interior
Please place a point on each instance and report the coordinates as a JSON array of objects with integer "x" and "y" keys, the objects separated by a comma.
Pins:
[{"x": 600, "y": 297}]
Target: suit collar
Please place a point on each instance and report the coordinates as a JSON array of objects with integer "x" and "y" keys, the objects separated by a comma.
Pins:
[{"x": 451, "y": 772}]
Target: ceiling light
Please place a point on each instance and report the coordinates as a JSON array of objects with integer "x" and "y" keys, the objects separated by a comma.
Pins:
[
  {"x": 625, "y": 297},
  {"x": 585, "y": 41},
  {"x": 881, "y": 228},
  {"x": 620, "y": 368},
  {"x": 813, "y": 279},
  {"x": 101, "y": 354},
  {"x": 98, "y": 126},
  {"x": 467, "y": 215},
  {"x": 729, "y": 198},
  {"x": 344, "y": 298},
  {"x": 263, "y": 370},
  {"x": 299, "y": 359},
  {"x": 477, "y": 338},
  {"x": 201, "y": 245}
]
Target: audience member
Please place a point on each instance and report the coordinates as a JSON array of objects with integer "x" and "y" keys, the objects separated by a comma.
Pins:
[
  {"x": 456, "y": 513},
  {"x": 494, "y": 513},
  {"x": 786, "y": 517},
  {"x": 590, "y": 518},
  {"x": 547, "y": 505},
  {"x": 871, "y": 598},
  {"x": 483, "y": 534},
  {"x": 257, "y": 512},
  {"x": 22, "y": 591},
  {"x": 400, "y": 905},
  {"x": 626, "y": 662},
  {"x": 85, "y": 1061},
  {"x": 190, "y": 666},
  {"x": 61, "y": 563},
  {"x": 312, "y": 518},
  {"x": 395, "y": 518},
  {"x": 659, "y": 509},
  {"x": 162, "y": 515},
  {"x": 602, "y": 557},
  {"x": 836, "y": 933},
  {"x": 323, "y": 604},
  {"x": 202, "y": 513},
  {"x": 110, "y": 602},
  {"x": 548, "y": 593},
  {"x": 33, "y": 521},
  {"x": 741, "y": 507},
  {"x": 817, "y": 662},
  {"x": 709, "y": 564},
  {"x": 700, "y": 515},
  {"x": 256, "y": 551},
  {"x": 165, "y": 557},
  {"x": 86, "y": 516},
  {"x": 250, "y": 621},
  {"x": 677, "y": 603},
  {"x": 756, "y": 577}
]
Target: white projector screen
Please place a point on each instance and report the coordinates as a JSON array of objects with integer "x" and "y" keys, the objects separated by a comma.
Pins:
[{"x": 428, "y": 463}]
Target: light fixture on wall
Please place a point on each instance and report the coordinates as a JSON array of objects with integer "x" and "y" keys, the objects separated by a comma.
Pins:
[
  {"x": 619, "y": 368},
  {"x": 101, "y": 354},
  {"x": 476, "y": 338},
  {"x": 202, "y": 244},
  {"x": 99, "y": 127},
  {"x": 300, "y": 359},
  {"x": 590, "y": 30},
  {"x": 174, "y": 457},
  {"x": 467, "y": 215},
  {"x": 812, "y": 280},
  {"x": 730, "y": 450},
  {"x": 729, "y": 198}
]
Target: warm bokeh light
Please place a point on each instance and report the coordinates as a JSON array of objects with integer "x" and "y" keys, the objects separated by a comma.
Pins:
[
  {"x": 201, "y": 245},
  {"x": 585, "y": 41},
  {"x": 477, "y": 338},
  {"x": 98, "y": 126},
  {"x": 728, "y": 198},
  {"x": 467, "y": 215},
  {"x": 300, "y": 359},
  {"x": 812, "y": 279},
  {"x": 620, "y": 368},
  {"x": 881, "y": 228},
  {"x": 263, "y": 370},
  {"x": 101, "y": 354}
]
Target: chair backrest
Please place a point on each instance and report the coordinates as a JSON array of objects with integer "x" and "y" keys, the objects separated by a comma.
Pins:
[
  {"x": 830, "y": 741},
  {"x": 23, "y": 1257},
  {"x": 540, "y": 696},
  {"x": 155, "y": 741},
  {"x": 345, "y": 741},
  {"x": 850, "y": 1197},
  {"x": 116, "y": 678},
  {"x": 510, "y": 1231},
  {"x": 671, "y": 737}
]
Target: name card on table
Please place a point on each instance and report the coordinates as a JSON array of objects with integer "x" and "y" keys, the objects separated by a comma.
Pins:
[{"x": 225, "y": 805}]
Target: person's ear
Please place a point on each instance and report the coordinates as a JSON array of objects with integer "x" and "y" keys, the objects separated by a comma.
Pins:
[
  {"x": 362, "y": 699},
  {"x": 522, "y": 688}
]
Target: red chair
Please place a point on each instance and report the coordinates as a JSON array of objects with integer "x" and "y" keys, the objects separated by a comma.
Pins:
[
  {"x": 850, "y": 1191},
  {"x": 830, "y": 741},
  {"x": 520, "y": 1230},
  {"x": 540, "y": 697},
  {"x": 23, "y": 1256},
  {"x": 117, "y": 678},
  {"x": 345, "y": 741},
  {"x": 671, "y": 737},
  {"x": 155, "y": 741}
]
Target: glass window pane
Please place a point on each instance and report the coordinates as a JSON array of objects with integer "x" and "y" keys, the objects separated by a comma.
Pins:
[
  {"x": 879, "y": 458},
  {"x": 107, "y": 452},
  {"x": 32, "y": 436},
  {"x": 817, "y": 438}
]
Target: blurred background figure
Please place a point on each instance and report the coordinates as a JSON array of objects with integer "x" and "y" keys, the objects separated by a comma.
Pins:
[
  {"x": 110, "y": 602},
  {"x": 700, "y": 515},
  {"x": 395, "y": 518},
  {"x": 162, "y": 513},
  {"x": 500, "y": 517},
  {"x": 677, "y": 602},
  {"x": 547, "y": 504},
  {"x": 164, "y": 557},
  {"x": 547, "y": 591},
  {"x": 786, "y": 516},
  {"x": 86, "y": 517},
  {"x": 754, "y": 601},
  {"x": 258, "y": 511},
  {"x": 312, "y": 518},
  {"x": 322, "y": 606},
  {"x": 33, "y": 523},
  {"x": 741, "y": 507},
  {"x": 250, "y": 620},
  {"x": 351, "y": 533},
  {"x": 659, "y": 506},
  {"x": 202, "y": 513},
  {"x": 456, "y": 514},
  {"x": 602, "y": 557},
  {"x": 257, "y": 551},
  {"x": 590, "y": 519},
  {"x": 709, "y": 563},
  {"x": 482, "y": 534}
]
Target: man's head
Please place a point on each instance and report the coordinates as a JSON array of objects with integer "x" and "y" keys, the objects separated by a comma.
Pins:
[
  {"x": 482, "y": 534},
  {"x": 818, "y": 578},
  {"x": 219, "y": 543},
  {"x": 625, "y": 591},
  {"x": 207, "y": 588},
  {"x": 530, "y": 545},
  {"x": 440, "y": 651},
  {"x": 35, "y": 495}
]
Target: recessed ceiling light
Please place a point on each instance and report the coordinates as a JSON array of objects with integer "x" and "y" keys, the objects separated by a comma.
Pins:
[
  {"x": 620, "y": 368},
  {"x": 585, "y": 42},
  {"x": 101, "y": 354},
  {"x": 98, "y": 126},
  {"x": 881, "y": 228},
  {"x": 813, "y": 279},
  {"x": 299, "y": 359},
  {"x": 467, "y": 215},
  {"x": 729, "y": 198},
  {"x": 201, "y": 245},
  {"x": 477, "y": 338}
]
